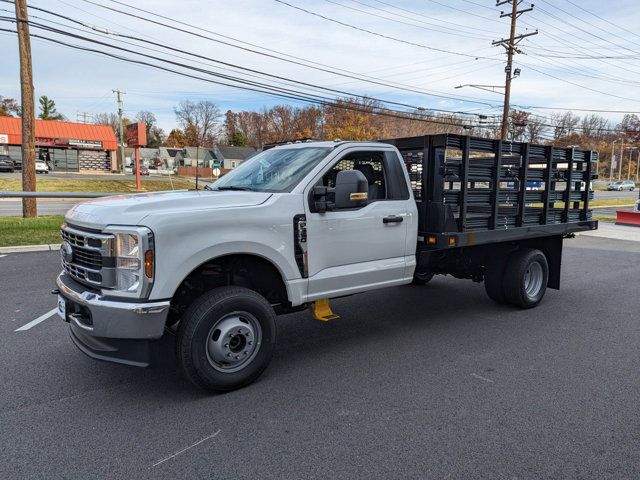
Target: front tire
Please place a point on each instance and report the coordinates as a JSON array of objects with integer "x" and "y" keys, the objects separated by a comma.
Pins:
[
  {"x": 422, "y": 278},
  {"x": 226, "y": 339},
  {"x": 526, "y": 277}
]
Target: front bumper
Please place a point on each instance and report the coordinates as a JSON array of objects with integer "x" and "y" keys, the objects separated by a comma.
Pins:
[{"x": 111, "y": 330}]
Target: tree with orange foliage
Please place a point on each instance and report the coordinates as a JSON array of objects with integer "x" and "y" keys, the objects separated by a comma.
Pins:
[
  {"x": 176, "y": 139},
  {"x": 352, "y": 119}
]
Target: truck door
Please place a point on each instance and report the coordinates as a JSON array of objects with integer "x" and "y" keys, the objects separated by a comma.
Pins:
[{"x": 367, "y": 247}]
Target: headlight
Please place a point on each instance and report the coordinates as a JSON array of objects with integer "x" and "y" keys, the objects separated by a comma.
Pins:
[{"x": 134, "y": 255}]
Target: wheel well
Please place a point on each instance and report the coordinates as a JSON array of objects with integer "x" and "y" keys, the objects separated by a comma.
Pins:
[{"x": 244, "y": 270}]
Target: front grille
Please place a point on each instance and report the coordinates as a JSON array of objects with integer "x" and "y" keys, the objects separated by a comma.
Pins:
[
  {"x": 87, "y": 258},
  {"x": 91, "y": 259}
]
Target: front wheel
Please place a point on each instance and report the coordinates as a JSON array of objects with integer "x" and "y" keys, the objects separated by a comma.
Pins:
[
  {"x": 421, "y": 278},
  {"x": 525, "y": 277},
  {"x": 226, "y": 338}
]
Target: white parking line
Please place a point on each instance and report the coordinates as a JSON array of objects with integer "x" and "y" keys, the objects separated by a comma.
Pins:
[
  {"x": 185, "y": 449},
  {"x": 482, "y": 378},
  {"x": 35, "y": 322},
  {"x": 2, "y": 256}
]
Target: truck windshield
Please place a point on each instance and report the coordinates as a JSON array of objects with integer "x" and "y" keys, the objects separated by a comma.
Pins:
[{"x": 275, "y": 170}]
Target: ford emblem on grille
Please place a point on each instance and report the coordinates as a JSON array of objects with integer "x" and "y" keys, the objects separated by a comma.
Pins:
[{"x": 66, "y": 251}]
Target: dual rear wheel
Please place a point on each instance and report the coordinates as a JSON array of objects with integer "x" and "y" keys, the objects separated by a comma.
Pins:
[{"x": 519, "y": 279}]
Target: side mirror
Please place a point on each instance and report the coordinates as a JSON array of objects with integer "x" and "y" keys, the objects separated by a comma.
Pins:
[{"x": 352, "y": 189}]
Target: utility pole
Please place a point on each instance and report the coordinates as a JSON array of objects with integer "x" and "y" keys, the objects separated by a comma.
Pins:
[
  {"x": 510, "y": 46},
  {"x": 119, "y": 94},
  {"x": 621, "y": 160},
  {"x": 611, "y": 166},
  {"x": 83, "y": 116},
  {"x": 29, "y": 205}
]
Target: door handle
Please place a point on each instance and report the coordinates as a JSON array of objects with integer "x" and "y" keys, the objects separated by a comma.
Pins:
[{"x": 392, "y": 219}]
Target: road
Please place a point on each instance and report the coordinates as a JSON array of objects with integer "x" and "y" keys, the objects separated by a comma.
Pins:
[
  {"x": 13, "y": 207},
  {"x": 412, "y": 382}
]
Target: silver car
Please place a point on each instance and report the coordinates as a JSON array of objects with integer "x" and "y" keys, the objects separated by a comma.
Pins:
[{"x": 621, "y": 185}]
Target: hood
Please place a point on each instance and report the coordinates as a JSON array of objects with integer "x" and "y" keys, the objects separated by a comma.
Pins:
[{"x": 131, "y": 209}]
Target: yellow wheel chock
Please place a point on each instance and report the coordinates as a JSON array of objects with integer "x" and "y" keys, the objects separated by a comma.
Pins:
[{"x": 320, "y": 310}]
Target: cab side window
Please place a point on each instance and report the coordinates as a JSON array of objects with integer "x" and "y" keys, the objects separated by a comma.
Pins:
[{"x": 371, "y": 164}]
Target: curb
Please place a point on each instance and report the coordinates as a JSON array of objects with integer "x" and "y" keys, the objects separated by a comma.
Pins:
[
  {"x": 612, "y": 206},
  {"x": 30, "y": 248}
]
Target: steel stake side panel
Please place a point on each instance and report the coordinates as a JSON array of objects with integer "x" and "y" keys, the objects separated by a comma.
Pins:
[{"x": 473, "y": 191}]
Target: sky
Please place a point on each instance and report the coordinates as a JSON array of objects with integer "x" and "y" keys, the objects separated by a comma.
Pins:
[{"x": 586, "y": 54}]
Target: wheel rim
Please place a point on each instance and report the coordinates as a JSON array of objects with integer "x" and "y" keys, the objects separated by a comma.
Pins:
[
  {"x": 533, "y": 279},
  {"x": 233, "y": 342}
]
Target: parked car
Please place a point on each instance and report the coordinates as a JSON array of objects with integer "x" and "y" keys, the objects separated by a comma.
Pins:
[
  {"x": 6, "y": 164},
  {"x": 621, "y": 185},
  {"x": 143, "y": 170},
  {"x": 41, "y": 167}
]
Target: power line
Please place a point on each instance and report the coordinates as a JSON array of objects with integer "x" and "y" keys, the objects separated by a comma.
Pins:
[
  {"x": 414, "y": 13},
  {"x": 588, "y": 23},
  {"x": 377, "y": 34},
  {"x": 445, "y": 31},
  {"x": 174, "y": 49},
  {"x": 279, "y": 55},
  {"x": 314, "y": 99},
  {"x": 603, "y": 19}
]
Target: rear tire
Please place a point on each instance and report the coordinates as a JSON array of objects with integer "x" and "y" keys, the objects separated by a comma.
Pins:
[
  {"x": 226, "y": 339},
  {"x": 526, "y": 277}
]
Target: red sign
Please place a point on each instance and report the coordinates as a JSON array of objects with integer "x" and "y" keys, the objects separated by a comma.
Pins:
[{"x": 136, "y": 134}]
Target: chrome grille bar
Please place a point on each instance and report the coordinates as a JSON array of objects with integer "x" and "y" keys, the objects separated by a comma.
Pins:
[{"x": 91, "y": 259}]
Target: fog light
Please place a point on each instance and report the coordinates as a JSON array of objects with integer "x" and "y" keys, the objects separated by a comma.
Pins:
[{"x": 432, "y": 240}]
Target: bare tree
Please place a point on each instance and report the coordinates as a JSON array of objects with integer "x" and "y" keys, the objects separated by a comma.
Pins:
[
  {"x": 564, "y": 124},
  {"x": 594, "y": 126},
  {"x": 200, "y": 122},
  {"x": 155, "y": 134},
  {"x": 110, "y": 119},
  {"x": 536, "y": 128}
]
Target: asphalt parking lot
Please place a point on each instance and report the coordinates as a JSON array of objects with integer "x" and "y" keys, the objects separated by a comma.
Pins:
[{"x": 412, "y": 382}]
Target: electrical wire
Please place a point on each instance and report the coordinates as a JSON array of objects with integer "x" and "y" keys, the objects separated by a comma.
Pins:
[
  {"x": 314, "y": 99},
  {"x": 279, "y": 56}
]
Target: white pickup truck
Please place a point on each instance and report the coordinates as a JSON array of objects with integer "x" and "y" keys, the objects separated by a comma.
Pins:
[{"x": 301, "y": 223}]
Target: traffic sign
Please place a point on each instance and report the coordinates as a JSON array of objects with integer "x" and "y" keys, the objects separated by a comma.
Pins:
[{"x": 216, "y": 172}]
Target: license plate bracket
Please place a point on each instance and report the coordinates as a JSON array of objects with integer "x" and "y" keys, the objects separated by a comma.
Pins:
[{"x": 62, "y": 307}]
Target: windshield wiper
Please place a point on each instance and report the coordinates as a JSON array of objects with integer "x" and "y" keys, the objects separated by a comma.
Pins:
[{"x": 235, "y": 187}]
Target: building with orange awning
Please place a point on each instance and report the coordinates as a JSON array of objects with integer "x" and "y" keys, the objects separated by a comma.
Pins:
[{"x": 64, "y": 146}]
